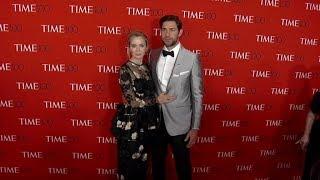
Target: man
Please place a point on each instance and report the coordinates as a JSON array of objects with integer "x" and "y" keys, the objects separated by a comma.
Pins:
[{"x": 176, "y": 72}]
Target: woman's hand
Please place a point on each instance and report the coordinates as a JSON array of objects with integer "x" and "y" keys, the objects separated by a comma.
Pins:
[
  {"x": 303, "y": 141},
  {"x": 165, "y": 98}
]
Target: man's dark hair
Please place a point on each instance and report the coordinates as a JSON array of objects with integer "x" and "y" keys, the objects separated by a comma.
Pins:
[{"x": 171, "y": 18}]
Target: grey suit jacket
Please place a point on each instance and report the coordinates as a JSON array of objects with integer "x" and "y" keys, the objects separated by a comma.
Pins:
[{"x": 185, "y": 83}]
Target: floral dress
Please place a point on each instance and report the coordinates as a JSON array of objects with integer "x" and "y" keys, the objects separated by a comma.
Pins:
[
  {"x": 312, "y": 158},
  {"x": 138, "y": 122}
]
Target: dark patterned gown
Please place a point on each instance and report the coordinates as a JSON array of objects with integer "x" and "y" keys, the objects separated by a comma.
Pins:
[
  {"x": 139, "y": 123},
  {"x": 312, "y": 159}
]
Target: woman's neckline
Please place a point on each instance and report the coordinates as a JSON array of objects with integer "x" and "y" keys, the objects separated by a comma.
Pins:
[{"x": 136, "y": 64}]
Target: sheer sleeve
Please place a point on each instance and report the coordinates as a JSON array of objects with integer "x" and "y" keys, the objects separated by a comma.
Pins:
[
  {"x": 125, "y": 82},
  {"x": 315, "y": 103}
]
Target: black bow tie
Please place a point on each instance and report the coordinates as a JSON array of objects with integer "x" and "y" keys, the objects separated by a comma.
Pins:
[{"x": 166, "y": 53}]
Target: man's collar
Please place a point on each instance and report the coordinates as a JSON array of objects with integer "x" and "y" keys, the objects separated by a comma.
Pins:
[{"x": 175, "y": 49}]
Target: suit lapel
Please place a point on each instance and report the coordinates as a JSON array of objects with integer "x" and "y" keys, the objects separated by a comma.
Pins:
[{"x": 177, "y": 63}]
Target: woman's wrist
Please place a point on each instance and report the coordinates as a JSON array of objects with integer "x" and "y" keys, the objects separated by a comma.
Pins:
[{"x": 305, "y": 134}]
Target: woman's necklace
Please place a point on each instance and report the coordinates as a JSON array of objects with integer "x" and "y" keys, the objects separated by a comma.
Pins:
[
  {"x": 136, "y": 64},
  {"x": 139, "y": 69}
]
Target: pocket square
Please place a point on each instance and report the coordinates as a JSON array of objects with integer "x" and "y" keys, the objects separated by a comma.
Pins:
[
  {"x": 175, "y": 75},
  {"x": 183, "y": 73}
]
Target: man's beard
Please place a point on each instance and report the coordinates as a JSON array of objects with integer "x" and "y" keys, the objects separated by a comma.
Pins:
[{"x": 171, "y": 44}]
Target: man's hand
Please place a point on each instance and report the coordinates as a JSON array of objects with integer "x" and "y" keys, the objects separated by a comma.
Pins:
[{"x": 192, "y": 137}]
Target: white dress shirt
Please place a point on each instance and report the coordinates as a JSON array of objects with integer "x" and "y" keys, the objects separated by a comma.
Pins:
[{"x": 165, "y": 66}]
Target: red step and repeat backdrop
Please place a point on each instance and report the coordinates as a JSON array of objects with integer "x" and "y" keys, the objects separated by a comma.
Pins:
[{"x": 59, "y": 65}]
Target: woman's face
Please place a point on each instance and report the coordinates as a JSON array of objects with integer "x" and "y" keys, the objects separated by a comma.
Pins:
[{"x": 137, "y": 47}]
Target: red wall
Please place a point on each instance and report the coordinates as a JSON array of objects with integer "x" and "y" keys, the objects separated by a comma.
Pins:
[{"x": 59, "y": 66}]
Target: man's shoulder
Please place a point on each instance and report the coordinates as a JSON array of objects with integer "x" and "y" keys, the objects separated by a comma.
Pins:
[
  {"x": 155, "y": 51},
  {"x": 154, "y": 54},
  {"x": 188, "y": 52}
]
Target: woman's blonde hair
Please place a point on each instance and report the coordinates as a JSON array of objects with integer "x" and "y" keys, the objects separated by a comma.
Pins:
[{"x": 133, "y": 34}]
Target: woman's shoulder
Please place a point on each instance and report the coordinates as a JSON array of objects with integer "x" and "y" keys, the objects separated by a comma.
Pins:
[
  {"x": 316, "y": 99},
  {"x": 315, "y": 103},
  {"x": 316, "y": 95},
  {"x": 124, "y": 66}
]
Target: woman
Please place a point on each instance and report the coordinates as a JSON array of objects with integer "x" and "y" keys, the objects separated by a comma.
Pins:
[
  {"x": 310, "y": 141},
  {"x": 140, "y": 114}
]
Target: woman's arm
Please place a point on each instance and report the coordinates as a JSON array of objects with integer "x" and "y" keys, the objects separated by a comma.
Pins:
[
  {"x": 125, "y": 82},
  {"x": 304, "y": 140},
  {"x": 309, "y": 121}
]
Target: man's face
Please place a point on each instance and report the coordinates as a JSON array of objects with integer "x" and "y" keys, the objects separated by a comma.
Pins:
[{"x": 170, "y": 33}]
